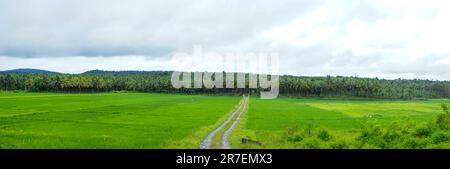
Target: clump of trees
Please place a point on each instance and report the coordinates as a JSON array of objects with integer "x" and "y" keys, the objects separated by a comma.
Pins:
[
  {"x": 290, "y": 86},
  {"x": 396, "y": 135}
]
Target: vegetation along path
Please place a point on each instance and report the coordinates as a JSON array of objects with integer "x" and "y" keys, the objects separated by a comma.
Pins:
[{"x": 225, "y": 129}]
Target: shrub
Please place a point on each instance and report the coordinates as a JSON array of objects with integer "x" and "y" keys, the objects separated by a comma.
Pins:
[
  {"x": 444, "y": 107},
  {"x": 439, "y": 137},
  {"x": 423, "y": 132},
  {"x": 390, "y": 137},
  {"x": 369, "y": 133},
  {"x": 324, "y": 135},
  {"x": 442, "y": 121},
  {"x": 339, "y": 144},
  {"x": 293, "y": 135},
  {"x": 408, "y": 126},
  {"x": 295, "y": 138},
  {"x": 311, "y": 143},
  {"x": 414, "y": 143}
]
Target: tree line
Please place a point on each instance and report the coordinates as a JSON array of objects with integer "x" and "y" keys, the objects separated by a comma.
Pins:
[{"x": 290, "y": 86}]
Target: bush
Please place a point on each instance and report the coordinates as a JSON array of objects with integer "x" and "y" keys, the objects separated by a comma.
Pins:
[
  {"x": 423, "y": 132},
  {"x": 439, "y": 137},
  {"x": 407, "y": 128},
  {"x": 295, "y": 138},
  {"x": 324, "y": 135},
  {"x": 369, "y": 133},
  {"x": 414, "y": 143},
  {"x": 340, "y": 144},
  {"x": 442, "y": 121},
  {"x": 390, "y": 137},
  {"x": 311, "y": 143},
  {"x": 293, "y": 135},
  {"x": 444, "y": 107}
]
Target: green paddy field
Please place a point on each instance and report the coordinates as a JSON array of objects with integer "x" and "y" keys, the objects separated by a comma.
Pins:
[
  {"x": 143, "y": 120},
  {"x": 299, "y": 123},
  {"x": 116, "y": 120}
]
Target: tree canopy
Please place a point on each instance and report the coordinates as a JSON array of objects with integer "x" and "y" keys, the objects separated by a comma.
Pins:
[{"x": 290, "y": 86}]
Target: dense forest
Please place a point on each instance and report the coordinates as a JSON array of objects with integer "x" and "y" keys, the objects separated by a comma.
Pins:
[{"x": 159, "y": 81}]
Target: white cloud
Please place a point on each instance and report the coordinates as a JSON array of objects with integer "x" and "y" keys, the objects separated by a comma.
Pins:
[
  {"x": 79, "y": 64},
  {"x": 390, "y": 39}
]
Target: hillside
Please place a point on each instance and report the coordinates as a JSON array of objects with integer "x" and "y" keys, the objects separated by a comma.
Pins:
[{"x": 28, "y": 71}]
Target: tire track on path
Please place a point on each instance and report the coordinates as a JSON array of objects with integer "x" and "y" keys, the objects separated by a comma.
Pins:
[
  {"x": 207, "y": 142},
  {"x": 225, "y": 144}
]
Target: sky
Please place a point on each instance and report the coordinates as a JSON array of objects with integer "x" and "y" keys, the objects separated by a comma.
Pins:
[{"x": 366, "y": 38}]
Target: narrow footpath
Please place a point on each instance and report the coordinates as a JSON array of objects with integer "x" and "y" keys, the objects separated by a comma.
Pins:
[{"x": 226, "y": 128}]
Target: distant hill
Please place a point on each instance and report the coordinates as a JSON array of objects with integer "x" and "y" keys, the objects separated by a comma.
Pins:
[
  {"x": 29, "y": 71},
  {"x": 125, "y": 73}
]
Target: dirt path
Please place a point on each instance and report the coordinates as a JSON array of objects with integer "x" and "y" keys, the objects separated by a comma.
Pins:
[
  {"x": 224, "y": 143},
  {"x": 206, "y": 143}
]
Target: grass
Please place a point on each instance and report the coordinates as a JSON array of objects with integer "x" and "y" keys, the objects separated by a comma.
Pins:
[
  {"x": 113, "y": 120},
  {"x": 143, "y": 120},
  {"x": 271, "y": 122}
]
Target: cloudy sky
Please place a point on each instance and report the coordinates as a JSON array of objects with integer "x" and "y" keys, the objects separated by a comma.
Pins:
[{"x": 366, "y": 38}]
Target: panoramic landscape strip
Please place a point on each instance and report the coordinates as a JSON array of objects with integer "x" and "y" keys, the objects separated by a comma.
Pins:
[{"x": 100, "y": 109}]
